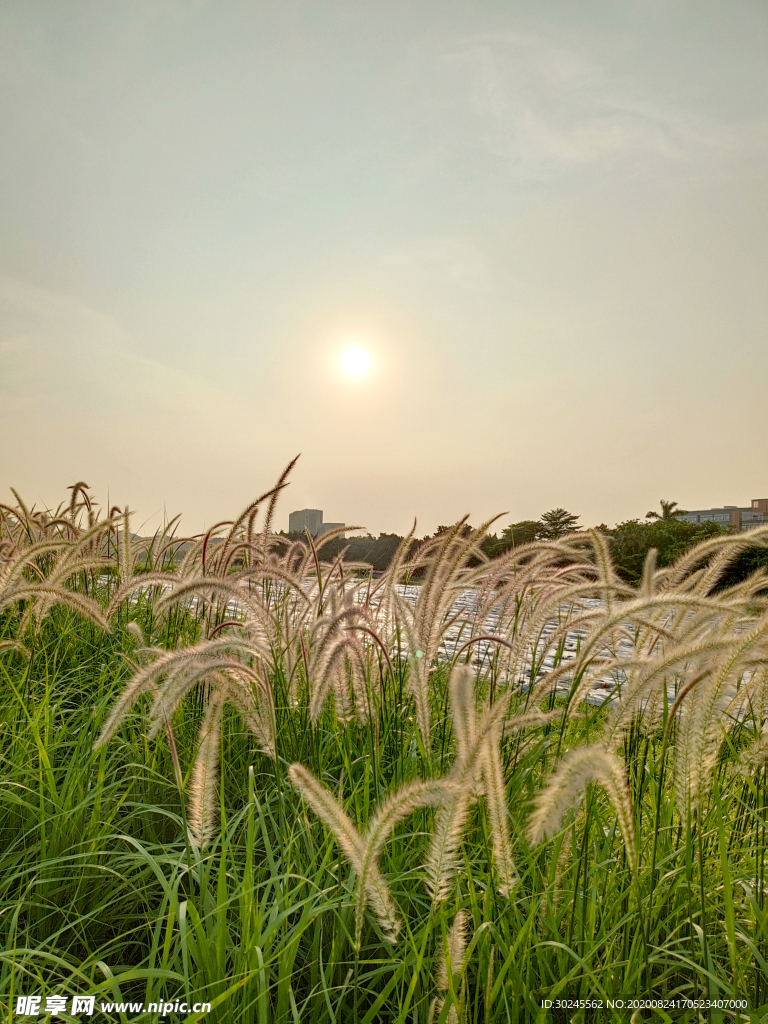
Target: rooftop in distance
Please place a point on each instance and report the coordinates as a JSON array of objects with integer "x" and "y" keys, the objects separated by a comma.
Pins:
[{"x": 731, "y": 515}]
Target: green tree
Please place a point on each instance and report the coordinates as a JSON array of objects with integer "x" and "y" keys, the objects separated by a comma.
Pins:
[
  {"x": 631, "y": 541},
  {"x": 514, "y": 535},
  {"x": 522, "y": 533},
  {"x": 557, "y": 523},
  {"x": 464, "y": 532},
  {"x": 669, "y": 510}
]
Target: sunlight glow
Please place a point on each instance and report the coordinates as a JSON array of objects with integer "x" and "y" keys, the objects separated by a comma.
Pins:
[{"x": 355, "y": 361}]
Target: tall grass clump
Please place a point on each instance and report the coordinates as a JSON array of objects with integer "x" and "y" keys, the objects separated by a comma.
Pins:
[{"x": 235, "y": 770}]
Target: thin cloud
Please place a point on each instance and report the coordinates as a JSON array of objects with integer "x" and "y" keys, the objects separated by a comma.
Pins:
[{"x": 549, "y": 109}]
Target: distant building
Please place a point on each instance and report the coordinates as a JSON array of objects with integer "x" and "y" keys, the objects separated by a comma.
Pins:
[
  {"x": 307, "y": 519},
  {"x": 731, "y": 515},
  {"x": 327, "y": 527},
  {"x": 311, "y": 519}
]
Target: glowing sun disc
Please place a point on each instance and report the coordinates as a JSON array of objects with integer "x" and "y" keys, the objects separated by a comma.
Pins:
[{"x": 355, "y": 361}]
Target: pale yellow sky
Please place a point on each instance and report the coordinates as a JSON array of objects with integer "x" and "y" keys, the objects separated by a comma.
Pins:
[{"x": 546, "y": 224}]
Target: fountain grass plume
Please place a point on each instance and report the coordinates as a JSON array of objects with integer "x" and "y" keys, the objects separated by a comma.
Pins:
[
  {"x": 204, "y": 789},
  {"x": 451, "y": 965},
  {"x": 172, "y": 674},
  {"x": 477, "y": 771},
  {"x": 567, "y": 785},
  {"x": 495, "y": 795},
  {"x": 363, "y": 851}
]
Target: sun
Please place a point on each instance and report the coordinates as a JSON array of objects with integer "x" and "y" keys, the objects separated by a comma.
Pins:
[{"x": 355, "y": 361}]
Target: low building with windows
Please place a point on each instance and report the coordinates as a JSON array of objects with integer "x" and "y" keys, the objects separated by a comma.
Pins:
[{"x": 755, "y": 514}]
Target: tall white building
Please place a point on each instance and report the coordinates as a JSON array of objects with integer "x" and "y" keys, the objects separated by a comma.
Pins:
[{"x": 306, "y": 519}]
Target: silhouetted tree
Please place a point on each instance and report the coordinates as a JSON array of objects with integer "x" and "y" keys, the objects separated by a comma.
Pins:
[
  {"x": 514, "y": 535},
  {"x": 669, "y": 510},
  {"x": 557, "y": 523}
]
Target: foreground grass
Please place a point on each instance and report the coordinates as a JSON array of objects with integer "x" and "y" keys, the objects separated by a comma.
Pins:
[{"x": 101, "y": 892}]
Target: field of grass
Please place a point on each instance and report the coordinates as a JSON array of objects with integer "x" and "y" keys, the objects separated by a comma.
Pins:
[{"x": 237, "y": 773}]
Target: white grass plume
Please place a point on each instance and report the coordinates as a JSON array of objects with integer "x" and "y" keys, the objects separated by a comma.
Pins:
[
  {"x": 461, "y": 693},
  {"x": 477, "y": 770},
  {"x": 452, "y": 959},
  {"x": 399, "y": 805},
  {"x": 339, "y": 660},
  {"x": 419, "y": 658},
  {"x": 175, "y": 667},
  {"x": 363, "y": 851},
  {"x": 567, "y": 785},
  {"x": 204, "y": 789},
  {"x": 456, "y": 950},
  {"x": 498, "y": 815},
  {"x": 700, "y": 732}
]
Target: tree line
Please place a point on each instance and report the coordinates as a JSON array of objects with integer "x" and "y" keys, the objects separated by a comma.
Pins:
[{"x": 630, "y": 541}]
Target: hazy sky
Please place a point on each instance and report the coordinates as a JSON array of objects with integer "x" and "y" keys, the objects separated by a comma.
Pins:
[{"x": 546, "y": 222}]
